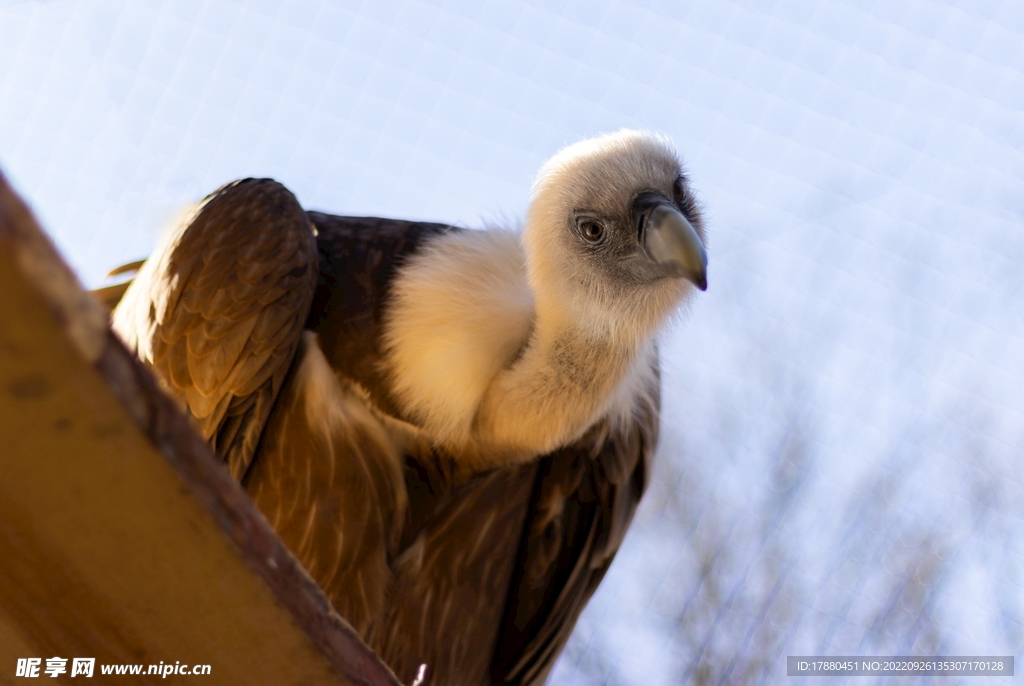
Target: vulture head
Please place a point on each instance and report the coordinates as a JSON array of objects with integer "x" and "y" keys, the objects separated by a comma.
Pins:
[
  {"x": 612, "y": 243},
  {"x": 504, "y": 347},
  {"x": 613, "y": 238}
]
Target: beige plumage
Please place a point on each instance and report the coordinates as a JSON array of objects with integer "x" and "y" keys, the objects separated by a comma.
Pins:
[{"x": 456, "y": 445}]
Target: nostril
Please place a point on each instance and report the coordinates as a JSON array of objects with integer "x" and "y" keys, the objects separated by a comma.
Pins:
[
  {"x": 641, "y": 208},
  {"x": 641, "y": 224}
]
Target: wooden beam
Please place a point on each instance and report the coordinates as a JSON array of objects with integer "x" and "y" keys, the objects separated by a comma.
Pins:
[{"x": 122, "y": 537}]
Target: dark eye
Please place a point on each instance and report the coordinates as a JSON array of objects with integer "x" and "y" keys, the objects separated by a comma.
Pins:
[
  {"x": 592, "y": 231},
  {"x": 679, "y": 189}
]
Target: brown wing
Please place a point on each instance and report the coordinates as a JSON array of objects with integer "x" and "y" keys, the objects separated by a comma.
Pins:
[
  {"x": 489, "y": 588},
  {"x": 329, "y": 480},
  {"x": 451, "y": 581},
  {"x": 584, "y": 498},
  {"x": 218, "y": 310}
]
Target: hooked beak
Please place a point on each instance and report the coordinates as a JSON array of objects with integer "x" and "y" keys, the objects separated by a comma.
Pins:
[{"x": 669, "y": 240}]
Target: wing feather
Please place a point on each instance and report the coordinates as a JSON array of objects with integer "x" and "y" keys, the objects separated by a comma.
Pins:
[
  {"x": 585, "y": 497},
  {"x": 446, "y": 604},
  {"x": 218, "y": 310},
  {"x": 328, "y": 479}
]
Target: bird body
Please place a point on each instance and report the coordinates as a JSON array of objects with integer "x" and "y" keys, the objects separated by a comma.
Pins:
[{"x": 451, "y": 429}]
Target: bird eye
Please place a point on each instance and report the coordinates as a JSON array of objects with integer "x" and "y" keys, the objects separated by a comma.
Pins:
[
  {"x": 679, "y": 189},
  {"x": 592, "y": 231}
]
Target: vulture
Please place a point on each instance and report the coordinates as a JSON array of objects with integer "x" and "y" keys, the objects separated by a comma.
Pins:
[{"x": 451, "y": 429}]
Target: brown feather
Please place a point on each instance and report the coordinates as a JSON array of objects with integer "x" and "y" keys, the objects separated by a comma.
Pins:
[
  {"x": 451, "y": 581},
  {"x": 225, "y": 295},
  {"x": 329, "y": 480},
  {"x": 109, "y": 296}
]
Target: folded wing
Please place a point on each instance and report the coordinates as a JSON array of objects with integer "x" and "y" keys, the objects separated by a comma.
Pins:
[{"x": 218, "y": 310}]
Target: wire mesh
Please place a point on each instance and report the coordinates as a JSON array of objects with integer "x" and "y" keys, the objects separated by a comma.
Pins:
[{"x": 840, "y": 465}]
